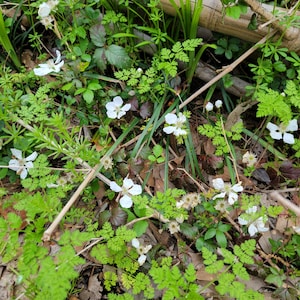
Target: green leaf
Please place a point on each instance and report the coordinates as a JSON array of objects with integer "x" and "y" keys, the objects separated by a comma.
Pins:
[
  {"x": 117, "y": 56},
  {"x": 279, "y": 66},
  {"x": 100, "y": 58},
  {"x": 221, "y": 239},
  {"x": 210, "y": 233},
  {"x": 88, "y": 96},
  {"x": 97, "y": 34},
  {"x": 140, "y": 227},
  {"x": 157, "y": 150}
]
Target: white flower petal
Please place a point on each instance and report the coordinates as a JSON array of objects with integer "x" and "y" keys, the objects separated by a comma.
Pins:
[
  {"x": 126, "y": 107},
  {"x": 272, "y": 127},
  {"x": 170, "y": 118},
  {"x": 118, "y": 101},
  {"x": 252, "y": 230},
  {"x": 218, "y": 103},
  {"x": 242, "y": 221},
  {"x": 142, "y": 259},
  {"x": 220, "y": 196},
  {"x": 24, "y": 173},
  {"x": 179, "y": 131},
  {"x": 251, "y": 210},
  {"x": 232, "y": 198},
  {"x": 58, "y": 57},
  {"x": 218, "y": 184},
  {"x": 28, "y": 165},
  {"x": 237, "y": 187},
  {"x": 135, "y": 243},
  {"x": 14, "y": 165},
  {"x": 181, "y": 118},
  {"x": 292, "y": 126},
  {"x": 42, "y": 71},
  {"x": 115, "y": 187},
  {"x": 276, "y": 135},
  {"x": 58, "y": 67},
  {"x": 288, "y": 138},
  {"x": 111, "y": 114},
  {"x": 121, "y": 114},
  {"x": 16, "y": 153},
  {"x": 44, "y": 10},
  {"x": 126, "y": 201},
  {"x": 127, "y": 183},
  {"x": 209, "y": 106},
  {"x": 169, "y": 129},
  {"x": 32, "y": 156},
  {"x": 110, "y": 106},
  {"x": 136, "y": 189}
]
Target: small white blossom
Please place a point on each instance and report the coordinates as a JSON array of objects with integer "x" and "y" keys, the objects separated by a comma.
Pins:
[
  {"x": 227, "y": 189},
  {"x": 222, "y": 206},
  {"x": 218, "y": 103},
  {"x": 128, "y": 190},
  {"x": 249, "y": 159},
  {"x": 115, "y": 110},
  {"x": 178, "y": 123},
  {"x": 281, "y": 131},
  {"x": 189, "y": 201},
  {"x": 296, "y": 229},
  {"x": 173, "y": 227},
  {"x": 44, "y": 10},
  {"x": 209, "y": 106},
  {"x": 47, "y": 21},
  {"x": 50, "y": 66},
  {"x": 19, "y": 164},
  {"x": 107, "y": 162},
  {"x": 141, "y": 250},
  {"x": 257, "y": 225}
]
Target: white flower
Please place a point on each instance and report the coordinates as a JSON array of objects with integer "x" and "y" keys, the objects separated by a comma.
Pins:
[
  {"x": 280, "y": 132},
  {"x": 128, "y": 189},
  {"x": 189, "y": 201},
  {"x": 257, "y": 225},
  {"x": 44, "y": 10},
  {"x": 173, "y": 227},
  {"x": 178, "y": 122},
  {"x": 47, "y": 21},
  {"x": 218, "y": 103},
  {"x": 50, "y": 66},
  {"x": 20, "y": 164},
  {"x": 227, "y": 189},
  {"x": 222, "y": 206},
  {"x": 46, "y": 7},
  {"x": 115, "y": 108},
  {"x": 249, "y": 159},
  {"x": 209, "y": 106},
  {"x": 107, "y": 162},
  {"x": 141, "y": 250}
]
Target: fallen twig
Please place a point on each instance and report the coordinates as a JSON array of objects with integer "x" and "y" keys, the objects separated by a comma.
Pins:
[{"x": 286, "y": 203}]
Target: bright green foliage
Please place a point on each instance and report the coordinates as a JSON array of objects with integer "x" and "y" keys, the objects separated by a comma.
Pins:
[
  {"x": 164, "y": 66},
  {"x": 235, "y": 261},
  {"x": 215, "y": 133},
  {"x": 165, "y": 203},
  {"x": 175, "y": 284},
  {"x": 157, "y": 155}
]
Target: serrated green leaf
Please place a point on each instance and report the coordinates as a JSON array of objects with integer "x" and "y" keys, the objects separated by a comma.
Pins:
[
  {"x": 100, "y": 58},
  {"x": 97, "y": 34},
  {"x": 88, "y": 96},
  {"x": 117, "y": 56}
]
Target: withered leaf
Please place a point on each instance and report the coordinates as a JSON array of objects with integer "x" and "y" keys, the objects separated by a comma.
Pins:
[
  {"x": 261, "y": 175},
  {"x": 289, "y": 171}
]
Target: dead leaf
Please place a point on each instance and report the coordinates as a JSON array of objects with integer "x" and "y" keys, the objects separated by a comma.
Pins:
[
  {"x": 261, "y": 175},
  {"x": 289, "y": 171}
]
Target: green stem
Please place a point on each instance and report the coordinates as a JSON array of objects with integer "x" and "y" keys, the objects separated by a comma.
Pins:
[{"x": 5, "y": 42}]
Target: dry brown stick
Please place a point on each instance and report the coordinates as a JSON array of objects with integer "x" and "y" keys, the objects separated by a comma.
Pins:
[
  {"x": 47, "y": 234},
  {"x": 286, "y": 203},
  {"x": 227, "y": 70}
]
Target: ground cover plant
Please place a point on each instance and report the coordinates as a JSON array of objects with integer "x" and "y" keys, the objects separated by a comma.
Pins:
[{"x": 124, "y": 175}]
